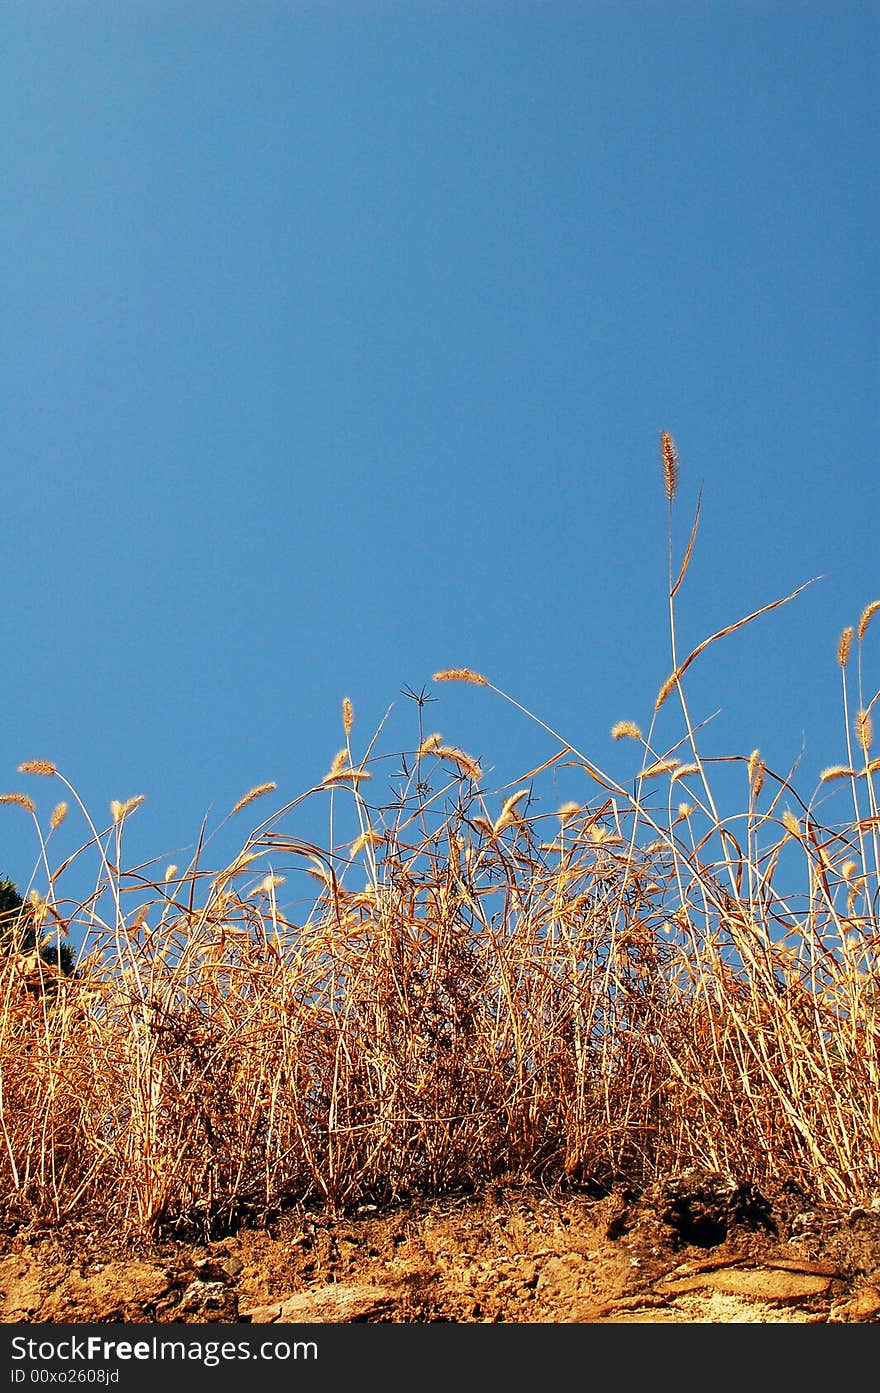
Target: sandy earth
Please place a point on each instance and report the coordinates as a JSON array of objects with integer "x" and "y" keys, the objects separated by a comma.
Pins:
[{"x": 696, "y": 1249}]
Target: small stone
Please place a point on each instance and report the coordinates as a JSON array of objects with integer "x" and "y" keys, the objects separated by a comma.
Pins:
[{"x": 209, "y": 1302}]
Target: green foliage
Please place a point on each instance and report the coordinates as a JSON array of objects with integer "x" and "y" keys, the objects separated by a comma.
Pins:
[{"x": 18, "y": 933}]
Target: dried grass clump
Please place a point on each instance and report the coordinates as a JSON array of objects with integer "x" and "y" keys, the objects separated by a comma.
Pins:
[{"x": 451, "y": 992}]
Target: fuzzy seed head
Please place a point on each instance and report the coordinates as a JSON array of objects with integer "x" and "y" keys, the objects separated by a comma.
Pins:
[
  {"x": 669, "y": 455},
  {"x": 684, "y": 771},
  {"x": 864, "y": 730},
  {"x": 170, "y": 871},
  {"x": 140, "y": 918},
  {"x": 625, "y": 730},
  {"x": 666, "y": 689},
  {"x": 660, "y": 766},
  {"x": 368, "y": 838},
  {"x": 251, "y": 795},
  {"x": 347, "y": 715},
  {"x": 270, "y": 883},
  {"x": 430, "y": 744},
  {"x": 844, "y": 645},
  {"x": 349, "y": 776},
  {"x": 511, "y": 804},
  {"x": 600, "y": 836},
  {"x": 466, "y": 763},
  {"x": 684, "y": 811},
  {"x": 568, "y": 810},
  {"x": 508, "y": 813},
  {"x": 460, "y": 674},
  {"x": 339, "y": 759},
  {"x": 38, "y": 906},
  {"x": 835, "y": 771},
  {"x": 20, "y": 798},
  {"x": 867, "y": 615},
  {"x": 59, "y": 813},
  {"x": 791, "y": 824},
  {"x": 756, "y": 772},
  {"x": 37, "y": 766}
]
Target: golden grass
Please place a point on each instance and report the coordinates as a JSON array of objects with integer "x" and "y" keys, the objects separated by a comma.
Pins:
[{"x": 473, "y": 988}]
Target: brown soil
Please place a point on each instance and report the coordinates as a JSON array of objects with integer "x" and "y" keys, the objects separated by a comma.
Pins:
[{"x": 695, "y": 1249}]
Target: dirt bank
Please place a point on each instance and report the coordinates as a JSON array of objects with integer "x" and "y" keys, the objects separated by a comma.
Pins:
[{"x": 697, "y": 1248}]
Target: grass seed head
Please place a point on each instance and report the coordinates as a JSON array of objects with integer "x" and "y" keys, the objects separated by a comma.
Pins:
[
  {"x": 20, "y": 798},
  {"x": 351, "y": 776},
  {"x": 835, "y": 771},
  {"x": 669, "y": 456},
  {"x": 430, "y": 744},
  {"x": 251, "y": 795},
  {"x": 867, "y": 614},
  {"x": 625, "y": 730},
  {"x": 660, "y": 766},
  {"x": 460, "y": 674},
  {"x": 270, "y": 883},
  {"x": 666, "y": 689},
  {"x": 844, "y": 645},
  {"x": 37, "y": 766},
  {"x": 368, "y": 838},
  {"x": 684, "y": 771},
  {"x": 864, "y": 730},
  {"x": 508, "y": 812},
  {"x": 59, "y": 813},
  {"x": 339, "y": 760},
  {"x": 39, "y": 907},
  {"x": 347, "y": 715},
  {"x": 465, "y": 762}
]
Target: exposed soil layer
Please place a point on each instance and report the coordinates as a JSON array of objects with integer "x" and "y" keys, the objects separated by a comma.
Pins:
[{"x": 698, "y": 1248}]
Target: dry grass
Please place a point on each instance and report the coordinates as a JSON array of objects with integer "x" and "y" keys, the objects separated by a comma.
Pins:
[{"x": 614, "y": 991}]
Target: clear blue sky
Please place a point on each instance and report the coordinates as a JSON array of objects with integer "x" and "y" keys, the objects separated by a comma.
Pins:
[{"x": 338, "y": 340}]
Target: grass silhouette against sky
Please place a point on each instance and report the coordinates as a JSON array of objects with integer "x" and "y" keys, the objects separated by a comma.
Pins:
[{"x": 340, "y": 339}]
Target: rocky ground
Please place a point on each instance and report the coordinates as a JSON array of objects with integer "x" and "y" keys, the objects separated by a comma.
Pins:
[{"x": 695, "y": 1249}]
